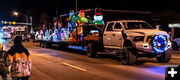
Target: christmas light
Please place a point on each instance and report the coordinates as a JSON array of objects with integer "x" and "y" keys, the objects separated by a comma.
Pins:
[{"x": 160, "y": 43}]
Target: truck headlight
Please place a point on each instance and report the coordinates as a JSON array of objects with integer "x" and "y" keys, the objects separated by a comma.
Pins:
[
  {"x": 169, "y": 44},
  {"x": 146, "y": 45},
  {"x": 138, "y": 38}
]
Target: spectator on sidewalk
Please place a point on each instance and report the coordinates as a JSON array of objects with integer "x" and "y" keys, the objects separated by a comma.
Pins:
[
  {"x": 19, "y": 60},
  {"x": 3, "y": 68}
]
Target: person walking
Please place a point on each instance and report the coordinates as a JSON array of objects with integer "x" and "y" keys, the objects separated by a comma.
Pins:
[{"x": 19, "y": 60}]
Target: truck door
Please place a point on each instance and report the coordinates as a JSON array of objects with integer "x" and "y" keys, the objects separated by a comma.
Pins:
[
  {"x": 116, "y": 36},
  {"x": 107, "y": 34}
]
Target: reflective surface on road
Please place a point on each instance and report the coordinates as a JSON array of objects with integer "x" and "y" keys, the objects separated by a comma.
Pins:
[{"x": 71, "y": 64}]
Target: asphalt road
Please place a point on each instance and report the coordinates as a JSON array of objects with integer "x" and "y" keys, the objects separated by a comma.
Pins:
[{"x": 70, "y": 64}]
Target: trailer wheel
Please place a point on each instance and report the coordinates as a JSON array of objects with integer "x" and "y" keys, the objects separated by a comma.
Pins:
[
  {"x": 165, "y": 57},
  {"x": 47, "y": 45},
  {"x": 44, "y": 45},
  {"x": 41, "y": 44},
  {"x": 127, "y": 57},
  {"x": 63, "y": 46},
  {"x": 91, "y": 50}
]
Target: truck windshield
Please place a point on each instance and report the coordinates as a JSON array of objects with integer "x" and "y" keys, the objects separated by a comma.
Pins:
[{"x": 137, "y": 25}]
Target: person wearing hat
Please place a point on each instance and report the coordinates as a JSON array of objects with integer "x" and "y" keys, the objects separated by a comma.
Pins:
[
  {"x": 3, "y": 68},
  {"x": 19, "y": 60}
]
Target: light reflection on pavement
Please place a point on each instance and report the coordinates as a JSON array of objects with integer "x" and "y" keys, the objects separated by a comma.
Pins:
[{"x": 110, "y": 68}]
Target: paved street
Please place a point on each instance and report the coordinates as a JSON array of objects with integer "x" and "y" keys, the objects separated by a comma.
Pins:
[{"x": 71, "y": 64}]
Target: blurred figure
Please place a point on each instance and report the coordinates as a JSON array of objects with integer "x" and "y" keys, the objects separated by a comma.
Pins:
[
  {"x": 3, "y": 68},
  {"x": 19, "y": 60}
]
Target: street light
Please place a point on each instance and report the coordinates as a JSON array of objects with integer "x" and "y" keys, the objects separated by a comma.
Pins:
[
  {"x": 17, "y": 13},
  {"x": 76, "y": 5}
]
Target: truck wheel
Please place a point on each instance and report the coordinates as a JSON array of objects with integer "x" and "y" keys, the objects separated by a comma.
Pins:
[
  {"x": 46, "y": 45},
  {"x": 126, "y": 57},
  {"x": 91, "y": 50},
  {"x": 165, "y": 57},
  {"x": 175, "y": 46}
]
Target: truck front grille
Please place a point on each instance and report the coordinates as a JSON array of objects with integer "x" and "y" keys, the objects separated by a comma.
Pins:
[{"x": 149, "y": 38}]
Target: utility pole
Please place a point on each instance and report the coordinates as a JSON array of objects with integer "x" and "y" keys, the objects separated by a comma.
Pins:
[
  {"x": 76, "y": 5},
  {"x": 56, "y": 11},
  {"x": 27, "y": 20},
  {"x": 31, "y": 23}
]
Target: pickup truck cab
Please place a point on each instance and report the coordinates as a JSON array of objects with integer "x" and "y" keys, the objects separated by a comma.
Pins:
[{"x": 131, "y": 39}]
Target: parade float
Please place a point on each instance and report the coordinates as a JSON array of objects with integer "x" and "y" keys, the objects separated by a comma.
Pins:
[
  {"x": 119, "y": 37},
  {"x": 73, "y": 32}
]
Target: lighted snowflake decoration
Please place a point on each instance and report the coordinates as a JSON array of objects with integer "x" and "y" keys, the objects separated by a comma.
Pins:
[{"x": 160, "y": 43}]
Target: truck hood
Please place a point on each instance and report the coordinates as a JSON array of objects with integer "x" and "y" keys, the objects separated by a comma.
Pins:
[{"x": 143, "y": 32}]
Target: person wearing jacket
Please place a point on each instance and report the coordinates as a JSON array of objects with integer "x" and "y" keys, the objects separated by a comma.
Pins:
[
  {"x": 3, "y": 68},
  {"x": 19, "y": 60}
]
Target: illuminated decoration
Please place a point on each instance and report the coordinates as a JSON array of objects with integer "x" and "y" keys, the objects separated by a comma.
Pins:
[
  {"x": 6, "y": 32},
  {"x": 69, "y": 24},
  {"x": 13, "y": 22},
  {"x": 59, "y": 24},
  {"x": 71, "y": 14},
  {"x": 10, "y": 22},
  {"x": 5, "y": 22},
  {"x": 37, "y": 35},
  {"x": 176, "y": 25},
  {"x": 47, "y": 35},
  {"x": 20, "y": 29},
  {"x": 41, "y": 35},
  {"x": 160, "y": 43},
  {"x": 73, "y": 17},
  {"x": 76, "y": 21},
  {"x": 82, "y": 17},
  {"x": 67, "y": 19},
  {"x": 98, "y": 18},
  {"x": 79, "y": 32},
  {"x": 65, "y": 34},
  {"x": 55, "y": 36}
]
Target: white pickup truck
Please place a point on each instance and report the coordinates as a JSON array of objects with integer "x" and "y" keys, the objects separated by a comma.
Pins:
[
  {"x": 131, "y": 39},
  {"x": 128, "y": 39}
]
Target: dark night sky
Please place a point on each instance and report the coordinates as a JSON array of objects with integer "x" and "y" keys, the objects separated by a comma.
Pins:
[{"x": 36, "y": 7}]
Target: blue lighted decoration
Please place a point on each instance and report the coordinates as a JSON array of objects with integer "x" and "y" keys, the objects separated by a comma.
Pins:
[{"x": 160, "y": 43}]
